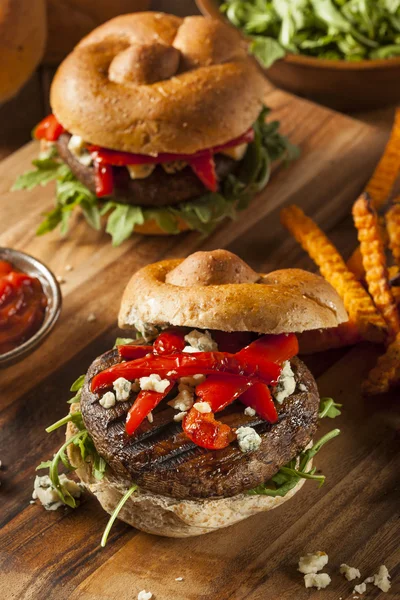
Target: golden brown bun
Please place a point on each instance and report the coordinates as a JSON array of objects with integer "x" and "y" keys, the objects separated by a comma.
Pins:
[
  {"x": 22, "y": 41},
  {"x": 166, "y": 516},
  {"x": 212, "y": 94},
  {"x": 196, "y": 292},
  {"x": 70, "y": 20}
]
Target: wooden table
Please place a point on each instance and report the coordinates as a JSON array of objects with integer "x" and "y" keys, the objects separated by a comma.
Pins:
[{"x": 354, "y": 517}]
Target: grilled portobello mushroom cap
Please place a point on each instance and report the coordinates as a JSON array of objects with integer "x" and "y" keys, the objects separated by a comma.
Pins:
[
  {"x": 161, "y": 459},
  {"x": 158, "y": 189}
]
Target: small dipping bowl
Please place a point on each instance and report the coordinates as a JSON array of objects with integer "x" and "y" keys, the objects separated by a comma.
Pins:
[{"x": 33, "y": 267}]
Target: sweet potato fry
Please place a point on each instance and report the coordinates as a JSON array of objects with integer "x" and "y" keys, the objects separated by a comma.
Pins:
[
  {"x": 393, "y": 229},
  {"x": 319, "y": 340},
  {"x": 381, "y": 184},
  {"x": 394, "y": 275},
  {"x": 387, "y": 170},
  {"x": 358, "y": 303},
  {"x": 386, "y": 372},
  {"x": 374, "y": 262},
  {"x": 355, "y": 264},
  {"x": 396, "y": 295}
]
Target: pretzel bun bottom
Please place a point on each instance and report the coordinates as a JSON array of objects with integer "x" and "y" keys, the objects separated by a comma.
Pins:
[
  {"x": 151, "y": 82},
  {"x": 166, "y": 516}
]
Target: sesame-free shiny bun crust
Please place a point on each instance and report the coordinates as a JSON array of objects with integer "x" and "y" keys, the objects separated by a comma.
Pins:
[
  {"x": 151, "y": 82},
  {"x": 217, "y": 290}
]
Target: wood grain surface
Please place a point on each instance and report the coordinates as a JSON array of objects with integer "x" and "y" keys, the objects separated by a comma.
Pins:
[{"x": 354, "y": 517}]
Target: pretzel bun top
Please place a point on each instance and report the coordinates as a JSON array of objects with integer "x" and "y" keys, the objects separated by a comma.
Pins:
[
  {"x": 151, "y": 82},
  {"x": 217, "y": 290}
]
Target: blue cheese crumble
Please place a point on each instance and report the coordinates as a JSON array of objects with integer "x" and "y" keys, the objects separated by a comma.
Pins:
[
  {"x": 248, "y": 439},
  {"x": 286, "y": 383}
]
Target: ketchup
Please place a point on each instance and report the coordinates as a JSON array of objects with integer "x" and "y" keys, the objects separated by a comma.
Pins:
[{"x": 22, "y": 307}]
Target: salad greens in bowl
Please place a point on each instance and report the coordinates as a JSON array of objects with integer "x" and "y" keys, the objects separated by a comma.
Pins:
[{"x": 344, "y": 53}]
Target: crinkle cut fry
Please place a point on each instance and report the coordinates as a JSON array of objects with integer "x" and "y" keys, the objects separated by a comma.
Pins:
[
  {"x": 394, "y": 275},
  {"x": 393, "y": 229},
  {"x": 359, "y": 305},
  {"x": 374, "y": 262},
  {"x": 384, "y": 177},
  {"x": 386, "y": 372},
  {"x": 381, "y": 184}
]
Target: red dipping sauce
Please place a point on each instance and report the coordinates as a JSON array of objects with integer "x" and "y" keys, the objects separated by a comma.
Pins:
[{"x": 22, "y": 307}]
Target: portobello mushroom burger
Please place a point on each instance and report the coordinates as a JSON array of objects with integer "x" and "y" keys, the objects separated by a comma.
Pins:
[
  {"x": 158, "y": 126},
  {"x": 208, "y": 417}
]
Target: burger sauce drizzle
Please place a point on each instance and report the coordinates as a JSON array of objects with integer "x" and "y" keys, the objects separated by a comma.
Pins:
[{"x": 22, "y": 307}]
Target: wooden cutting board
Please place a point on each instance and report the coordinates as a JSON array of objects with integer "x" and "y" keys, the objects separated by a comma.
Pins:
[{"x": 354, "y": 517}]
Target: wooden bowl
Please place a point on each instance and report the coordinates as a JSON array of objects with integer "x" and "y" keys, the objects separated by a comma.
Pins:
[{"x": 343, "y": 85}]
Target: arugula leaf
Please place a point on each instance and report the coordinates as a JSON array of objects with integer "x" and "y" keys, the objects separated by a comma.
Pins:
[
  {"x": 82, "y": 440},
  {"x": 99, "y": 466},
  {"x": 76, "y": 398},
  {"x": 60, "y": 456},
  {"x": 266, "y": 50},
  {"x": 115, "y": 514},
  {"x": 164, "y": 219},
  {"x": 75, "y": 418},
  {"x": 289, "y": 476},
  {"x": 329, "y": 29},
  {"x": 46, "y": 170},
  {"x": 329, "y": 408},
  {"x": 122, "y": 221},
  {"x": 78, "y": 383},
  {"x": 120, "y": 341},
  {"x": 44, "y": 465},
  {"x": 387, "y": 51}
]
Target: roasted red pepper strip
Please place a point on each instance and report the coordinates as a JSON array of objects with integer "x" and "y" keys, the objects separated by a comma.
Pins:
[
  {"x": 122, "y": 159},
  {"x": 189, "y": 364},
  {"x": 130, "y": 352},
  {"x": 205, "y": 431},
  {"x": 259, "y": 397},
  {"x": 104, "y": 179},
  {"x": 222, "y": 389},
  {"x": 49, "y": 129},
  {"x": 271, "y": 348},
  {"x": 171, "y": 341},
  {"x": 204, "y": 168},
  {"x": 145, "y": 402}
]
